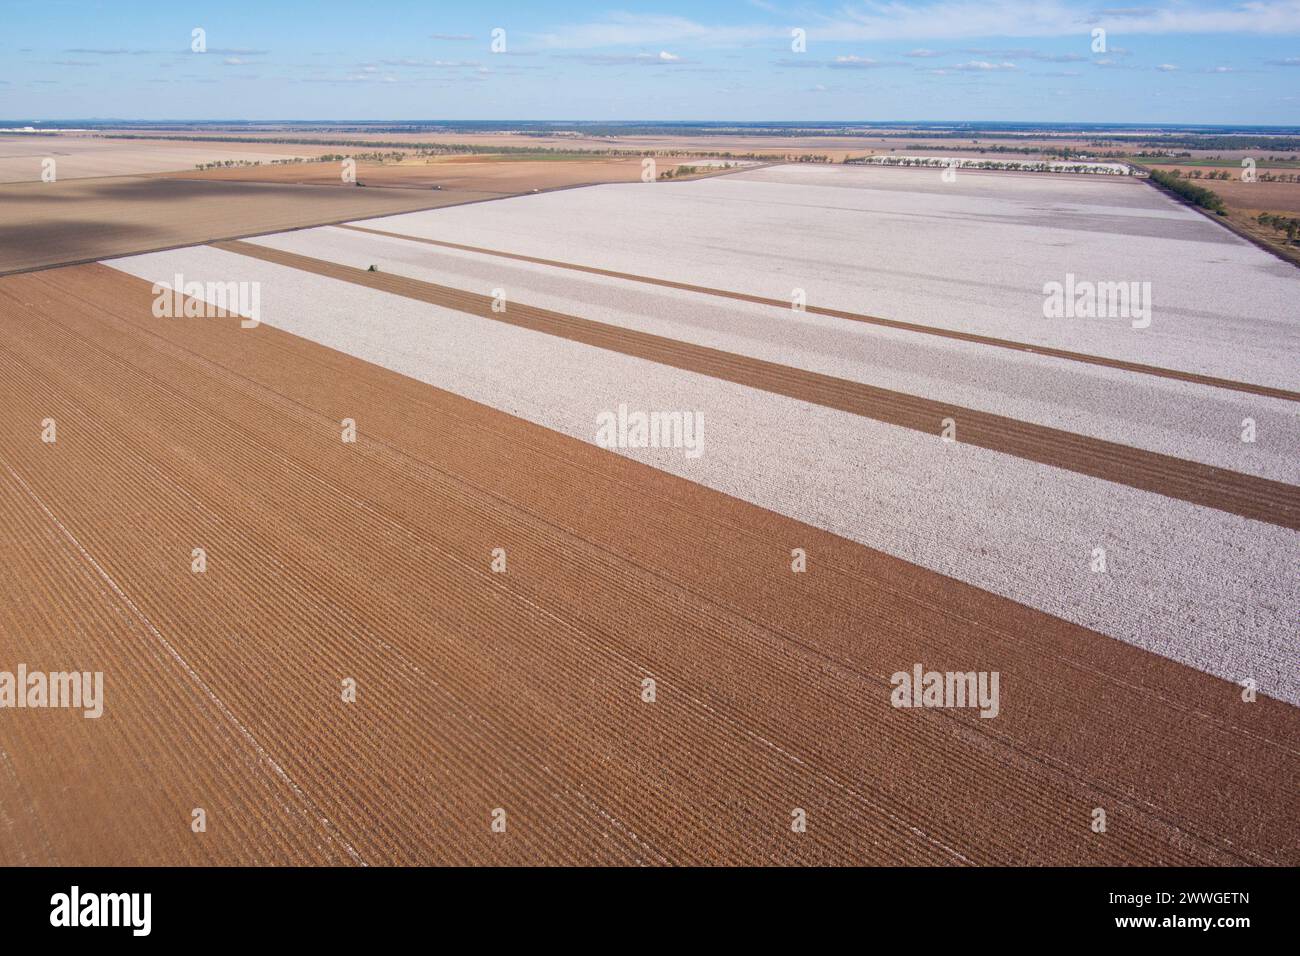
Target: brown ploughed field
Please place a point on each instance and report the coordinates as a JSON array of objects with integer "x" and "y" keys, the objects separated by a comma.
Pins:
[
  {"x": 85, "y": 219},
  {"x": 522, "y": 692},
  {"x": 495, "y": 174},
  {"x": 1245, "y": 201},
  {"x": 480, "y": 174},
  {"x": 1274, "y": 197}
]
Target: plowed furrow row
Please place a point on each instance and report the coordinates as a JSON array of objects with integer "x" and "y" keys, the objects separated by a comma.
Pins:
[
  {"x": 233, "y": 659},
  {"x": 626, "y": 683},
  {"x": 85, "y": 627},
  {"x": 1183, "y": 729},
  {"x": 522, "y": 688}
]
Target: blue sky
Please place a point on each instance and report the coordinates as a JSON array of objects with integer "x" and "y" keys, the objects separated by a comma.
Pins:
[{"x": 1166, "y": 61}]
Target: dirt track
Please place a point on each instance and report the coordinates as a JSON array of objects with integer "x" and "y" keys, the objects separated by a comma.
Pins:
[{"x": 522, "y": 690}]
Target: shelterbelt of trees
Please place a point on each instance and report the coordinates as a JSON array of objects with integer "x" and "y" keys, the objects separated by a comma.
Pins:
[
  {"x": 1199, "y": 195},
  {"x": 1287, "y": 224}
]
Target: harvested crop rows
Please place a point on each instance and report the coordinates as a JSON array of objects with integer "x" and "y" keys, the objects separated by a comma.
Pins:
[
  {"x": 1272, "y": 501},
  {"x": 1170, "y": 373},
  {"x": 611, "y": 652},
  {"x": 520, "y": 690}
]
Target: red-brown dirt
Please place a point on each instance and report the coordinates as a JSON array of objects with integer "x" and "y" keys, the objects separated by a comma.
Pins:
[{"x": 522, "y": 690}]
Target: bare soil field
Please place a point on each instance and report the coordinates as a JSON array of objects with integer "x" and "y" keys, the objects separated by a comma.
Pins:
[
  {"x": 86, "y": 157},
  {"x": 519, "y": 695},
  {"x": 481, "y": 174},
  {"x": 1273, "y": 197},
  {"x": 74, "y": 221},
  {"x": 1247, "y": 223},
  {"x": 1245, "y": 201}
]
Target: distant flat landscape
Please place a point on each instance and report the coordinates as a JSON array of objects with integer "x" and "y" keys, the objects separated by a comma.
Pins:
[
  {"x": 89, "y": 157},
  {"x": 83, "y": 219}
]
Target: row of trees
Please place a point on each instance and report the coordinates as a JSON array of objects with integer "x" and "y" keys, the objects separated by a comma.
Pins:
[
  {"x": 1287, "y": 224},
  {"x": 223, "y": 163},
  {"x": 1011, "y": 165},
  {"x": 1204, "y": 141},
  {"x": 1205, "y": 173},
  {"x": 328, "y": 158},
  {"x": 1205, "y": 198},
  {"x": 1263, "y": 175},
  {"x": 375, "y": 157}
]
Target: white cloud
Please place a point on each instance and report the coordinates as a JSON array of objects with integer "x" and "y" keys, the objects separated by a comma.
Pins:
[
  {"x": 441, "y": 64},
  {"x": 628, "y": 29},
  {"x": 901, "y": 19},
  {"x": 1022, "y": 54},
  {"x": 984, "y": 66},
  {"x": 368, "y": 75},
  {"x": 1167, "y": 68},
  {"x": 662, "y": 58},
  {"x": 855, "y": 62},
  {"x": 885, "y": 20}
]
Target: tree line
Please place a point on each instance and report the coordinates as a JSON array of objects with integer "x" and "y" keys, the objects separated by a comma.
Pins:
[{"x": 1198, "y": 195}]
